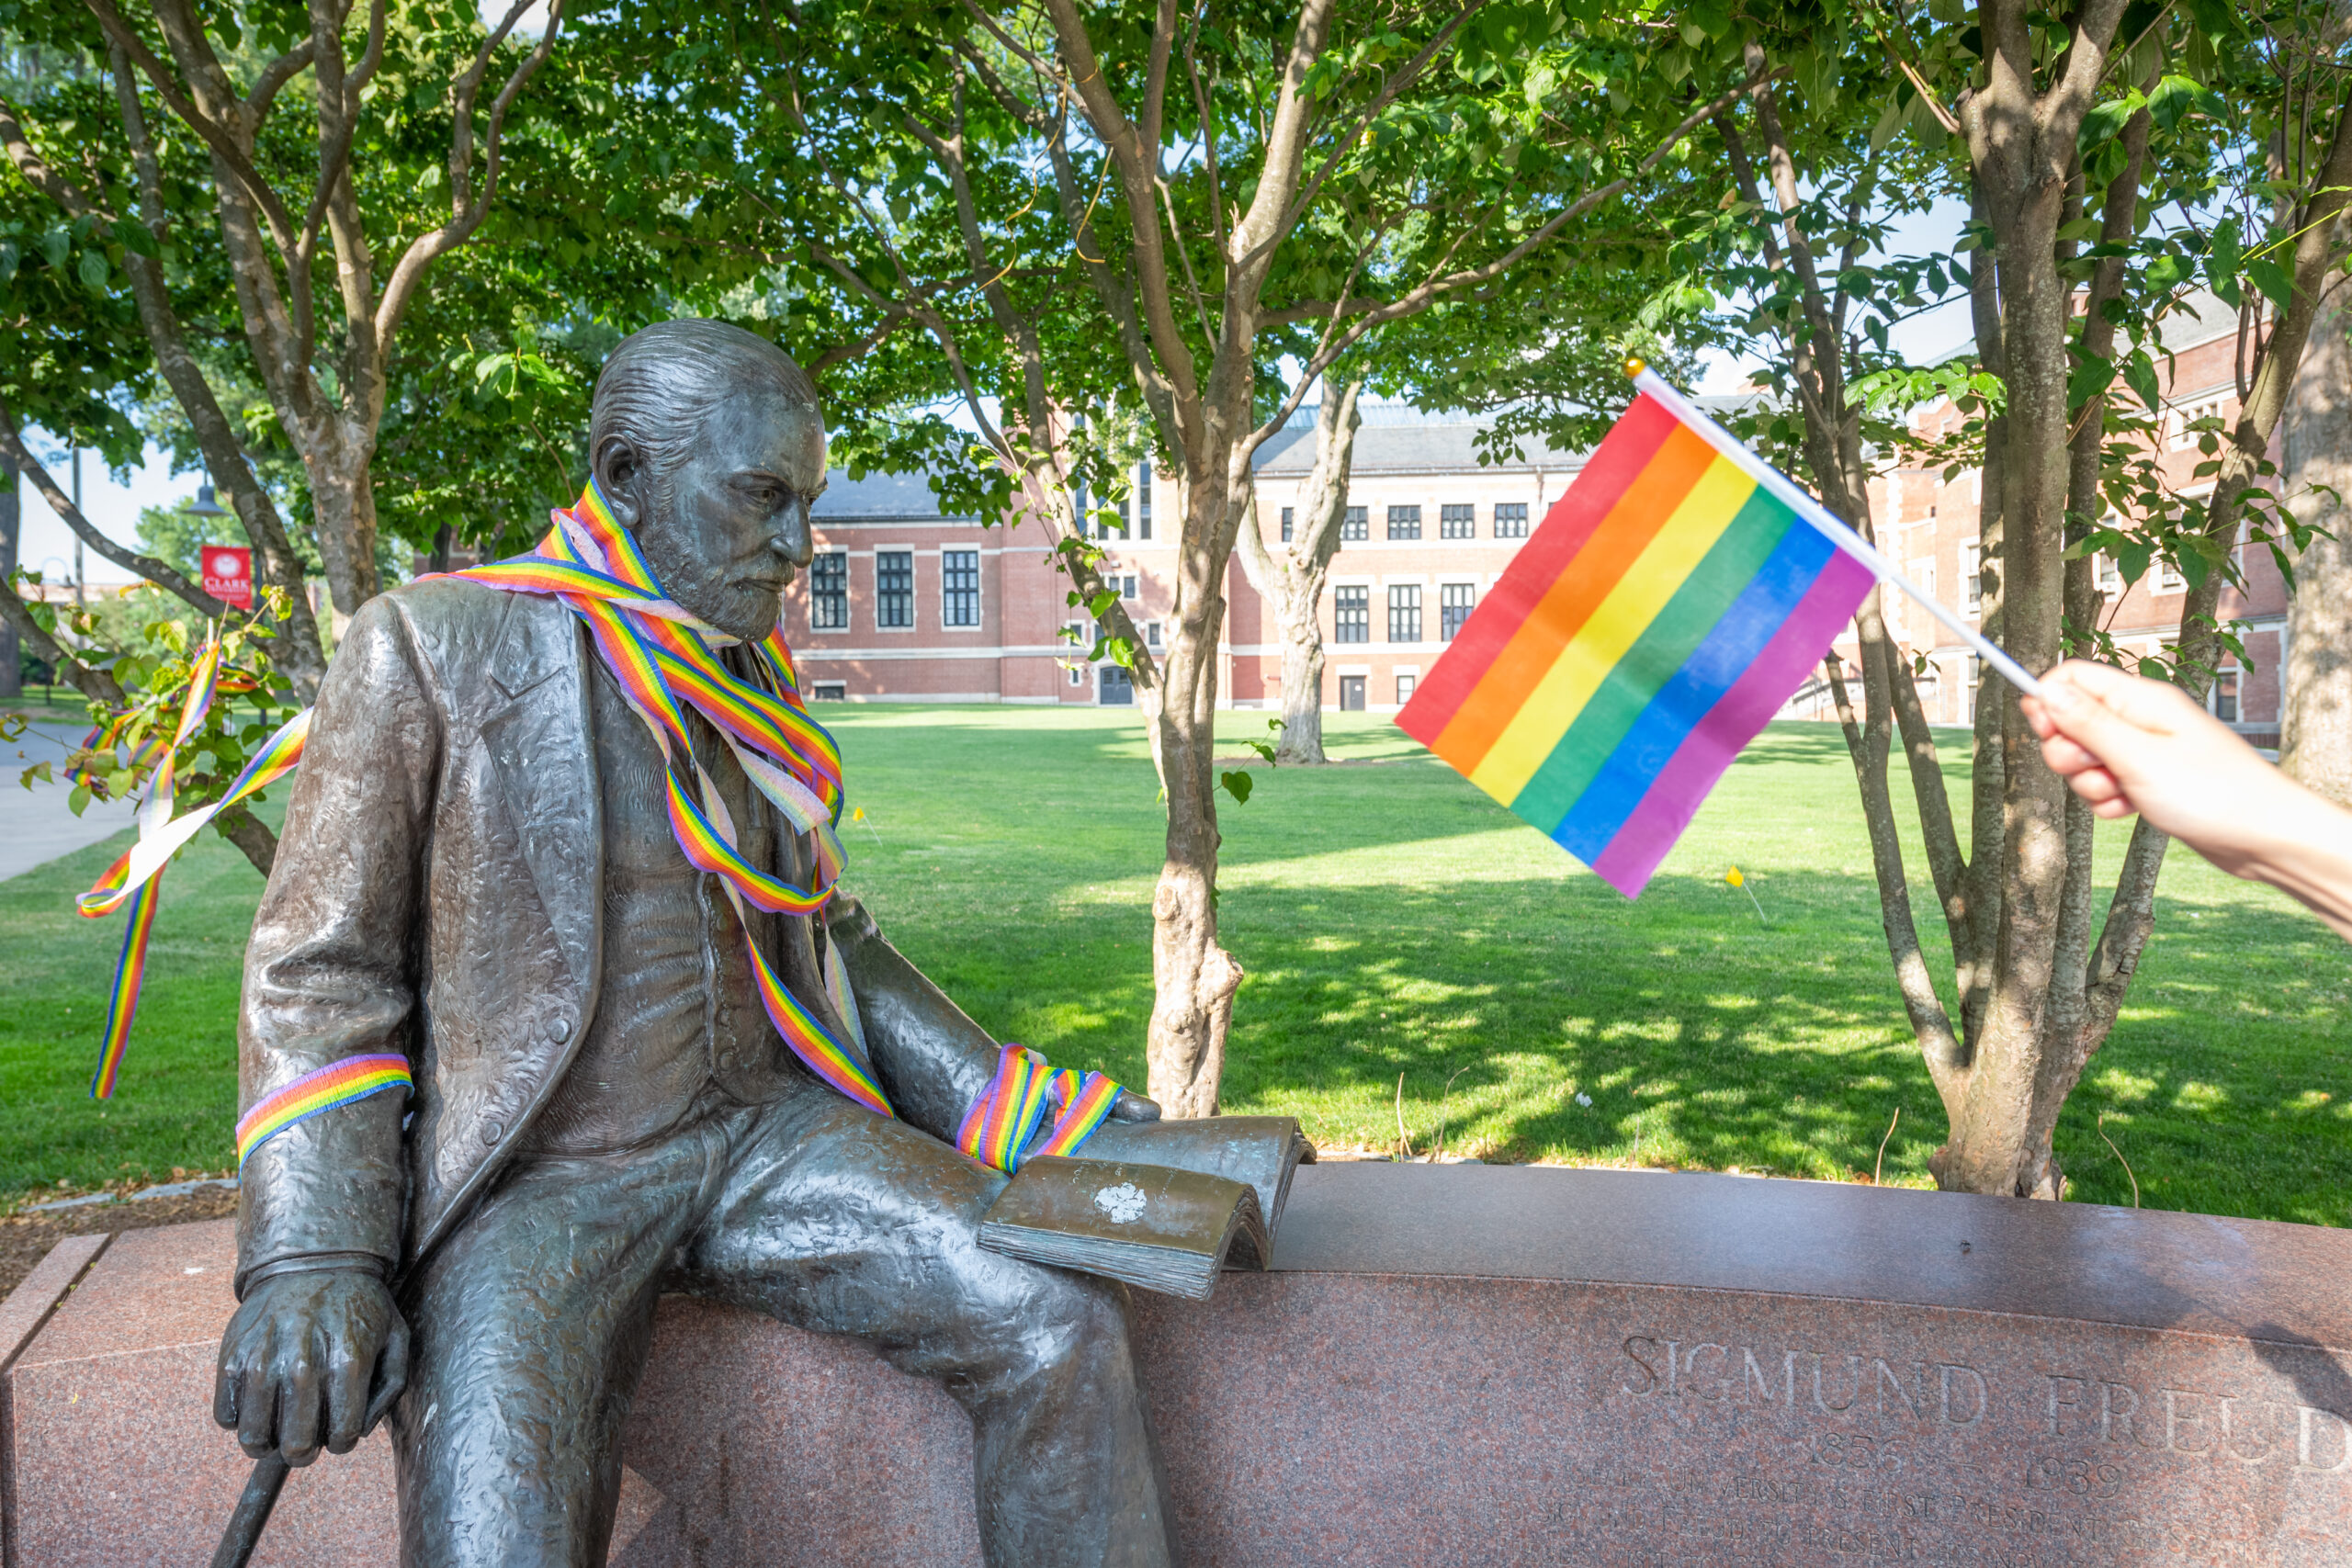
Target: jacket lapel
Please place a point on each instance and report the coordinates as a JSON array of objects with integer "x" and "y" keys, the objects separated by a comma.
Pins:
[{"x": 542, "y": 748}]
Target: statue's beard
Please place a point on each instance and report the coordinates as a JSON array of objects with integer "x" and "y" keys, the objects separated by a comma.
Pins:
[{"x": 709, "y": 588}]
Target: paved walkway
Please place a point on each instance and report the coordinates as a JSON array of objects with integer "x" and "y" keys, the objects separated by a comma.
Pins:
[{"x": 36, "y": 826}]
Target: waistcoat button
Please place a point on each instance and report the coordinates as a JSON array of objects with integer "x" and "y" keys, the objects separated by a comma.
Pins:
[
  {"x": 490, "y": 1132},
  {"x": 559, "y": 1031}
]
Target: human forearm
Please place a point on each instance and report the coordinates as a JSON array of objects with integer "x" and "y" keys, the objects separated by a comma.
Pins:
[
  {"x": 2129, "y": 745},
  {"x": 2300, "y": 843}
]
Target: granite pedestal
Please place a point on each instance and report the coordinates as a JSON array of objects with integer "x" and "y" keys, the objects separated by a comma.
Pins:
[{"x": 1447, "y": 1366}]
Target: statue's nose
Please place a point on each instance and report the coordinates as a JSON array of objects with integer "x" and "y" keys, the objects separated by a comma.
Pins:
[{"x": 794, "y": 538}]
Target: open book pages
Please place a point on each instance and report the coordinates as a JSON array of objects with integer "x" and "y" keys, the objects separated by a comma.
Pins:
[
  {"x": 1262, "y": 1151},
  {"x": 1151, "y": 1226}
]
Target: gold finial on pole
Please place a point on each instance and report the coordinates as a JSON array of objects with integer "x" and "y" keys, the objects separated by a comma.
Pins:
[{"x": 1634, "y": 366}]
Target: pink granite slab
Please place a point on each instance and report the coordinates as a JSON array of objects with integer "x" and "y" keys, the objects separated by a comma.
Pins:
[
  {"x": 1447, "y": 1367},
  {"x": 29, "y": 1306}
]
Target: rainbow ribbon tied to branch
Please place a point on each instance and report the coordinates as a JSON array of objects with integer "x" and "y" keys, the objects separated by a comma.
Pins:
[
  {"x": 137, "y": 878},
  {"x": 1005, "y": 1116}
]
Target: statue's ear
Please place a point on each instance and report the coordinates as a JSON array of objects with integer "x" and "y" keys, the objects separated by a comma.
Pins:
[{"x": 619, "y": 474}]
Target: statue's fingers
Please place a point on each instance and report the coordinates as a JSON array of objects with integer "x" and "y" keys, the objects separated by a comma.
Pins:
[
  {"x": 256, "y": 1398},
  {"x": 349, "y": 1371},
  {"x": 391, "y": 1375},
  {"x": 301, "y": 1395},
  {"x": 1133, "y": 1107}
]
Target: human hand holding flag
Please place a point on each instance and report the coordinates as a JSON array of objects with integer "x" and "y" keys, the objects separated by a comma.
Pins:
[{"x": 1671, "y": 601}]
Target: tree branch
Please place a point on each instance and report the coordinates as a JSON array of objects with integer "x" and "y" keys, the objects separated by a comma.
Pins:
[
  {"x": 161, "y": 573},
  {"x": 467, "y": 215}
]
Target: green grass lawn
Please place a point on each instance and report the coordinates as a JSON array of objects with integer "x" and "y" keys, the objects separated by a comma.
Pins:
[{"x": 1393, "y": 921}]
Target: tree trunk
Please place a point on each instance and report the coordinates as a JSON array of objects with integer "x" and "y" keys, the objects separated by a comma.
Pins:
[
  {"x": 345, "y": 502},
  {"x": 1193, "y": 977},
  {"x": 1294, "y": 579},
  {"x": 12, "y": 668},
  {"x": 2316, "y": 743}
]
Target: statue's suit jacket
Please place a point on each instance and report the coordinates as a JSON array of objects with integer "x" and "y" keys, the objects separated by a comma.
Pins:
[{"x": 438, "y": 892}]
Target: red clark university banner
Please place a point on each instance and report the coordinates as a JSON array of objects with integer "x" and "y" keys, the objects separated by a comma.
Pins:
[{"x": 229, "y": 574}]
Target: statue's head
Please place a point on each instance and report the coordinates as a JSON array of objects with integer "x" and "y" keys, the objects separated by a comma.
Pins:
[{"x": 708, "y": 443}]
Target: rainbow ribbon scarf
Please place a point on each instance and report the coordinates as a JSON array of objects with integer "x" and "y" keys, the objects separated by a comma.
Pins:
[
  {"x": 1006, "y": 1115},
  {"x": 658, "y": 653},
  {"x": 136, "y": 879}
]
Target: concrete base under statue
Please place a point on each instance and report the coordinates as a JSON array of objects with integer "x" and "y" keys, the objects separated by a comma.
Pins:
[{"x": 1455, "y": 1365}]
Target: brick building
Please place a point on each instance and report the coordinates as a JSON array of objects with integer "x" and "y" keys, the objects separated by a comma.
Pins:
[
  {"x": 1929, "y": 528},
  {"x": 905, "y": 605}
]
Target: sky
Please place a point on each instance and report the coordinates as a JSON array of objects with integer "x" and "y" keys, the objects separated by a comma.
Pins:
[
  {"x": 1931, "y": 336},
  {"x": 112, "y": 503}
]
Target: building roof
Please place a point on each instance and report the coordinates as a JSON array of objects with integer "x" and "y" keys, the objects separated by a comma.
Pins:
[
  {"x": 2202, "y": 316},
  {"x": 877, "y": 498},
  {"x": 1407, "y": 449}
]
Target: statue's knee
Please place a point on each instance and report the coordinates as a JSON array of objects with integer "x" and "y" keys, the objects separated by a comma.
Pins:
[{"x": 1058, "y": 1316}]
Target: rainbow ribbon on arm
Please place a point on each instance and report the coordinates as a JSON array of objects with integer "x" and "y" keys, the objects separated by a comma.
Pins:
[
  {"x": 1006, "y": 1116},
  {"x": 136, "y": 879}
]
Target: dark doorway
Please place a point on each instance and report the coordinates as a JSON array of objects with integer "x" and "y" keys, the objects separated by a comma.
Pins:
[
  {"x": 1352, "y": 693},
  {"x": 1117, "y": 688}
]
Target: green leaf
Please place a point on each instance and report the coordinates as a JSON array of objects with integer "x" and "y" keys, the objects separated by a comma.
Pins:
[
  {"x": 133, "y": 237},
  {"x": 2091, "y": 377},
  {"x": 93, "y": 271},
  {"x": 1237, "y": 784},
  {"x": 2272, "y": 279},
  {"x": 79, "y": 801},
  {"x": 2139, "y": 373},
  {"x": 37, "y": 771}
]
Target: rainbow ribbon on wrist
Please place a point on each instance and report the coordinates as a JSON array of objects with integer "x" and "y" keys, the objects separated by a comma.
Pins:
[{"x": 1006, "y": 1115}]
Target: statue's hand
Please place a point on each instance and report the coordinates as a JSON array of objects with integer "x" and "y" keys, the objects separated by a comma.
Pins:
[
  {"x": 1133, "y": 1107},
  {"x": 310, "y": 1359}
]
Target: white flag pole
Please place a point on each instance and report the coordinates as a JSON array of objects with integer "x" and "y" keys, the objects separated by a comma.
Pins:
[{"x": 1821, "y": 517}]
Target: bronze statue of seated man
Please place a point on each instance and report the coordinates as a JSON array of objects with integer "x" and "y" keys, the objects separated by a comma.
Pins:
[{"x": 480, "y": 878}]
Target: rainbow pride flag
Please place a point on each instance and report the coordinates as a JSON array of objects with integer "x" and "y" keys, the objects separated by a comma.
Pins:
[{"x": 1670, "y": 603}]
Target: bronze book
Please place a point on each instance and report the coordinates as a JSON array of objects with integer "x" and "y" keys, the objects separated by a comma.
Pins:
[{"x": 1149, "y": 1224}]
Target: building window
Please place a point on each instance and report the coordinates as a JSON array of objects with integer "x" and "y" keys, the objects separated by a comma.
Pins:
[
  {"x": 1126, "y": 586},
  {"x": 1142, "y": 500},
  {"x": 1286, "y": 525},
  {"x": 1510, "y": 520},
  {"x": 1077, "y": 509},
  {"x": 830, "y": 692},
  {"x": 1404, "y": 522},
  {"x": 2223, "y": 698},
  {"x": 1151, "y": 634},
  {"x": 2168, "y": 578},
  {"x": 1080, "y": 636},
  {"x": 1405, "y": 612},
  {"x": 1352, "y": 614},
  {"x": 1405, "y": 684},
  {"x": 1352, "y": 693},
  {"x": 1353, "y": 528},
  {"x": 1454, "y": 603},
  {"x": 1971, "y": 578},
  {"x": 959, "y": 588},
  {"x": 2108, "y": 575},
  {"x": 829, "y": 591},
  {"x": 894, "y": 588},
  {"x": 2183, "y": 415},
  {"x": 1458, "y": 522},
  {"x": 1124, "y": 518}
]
